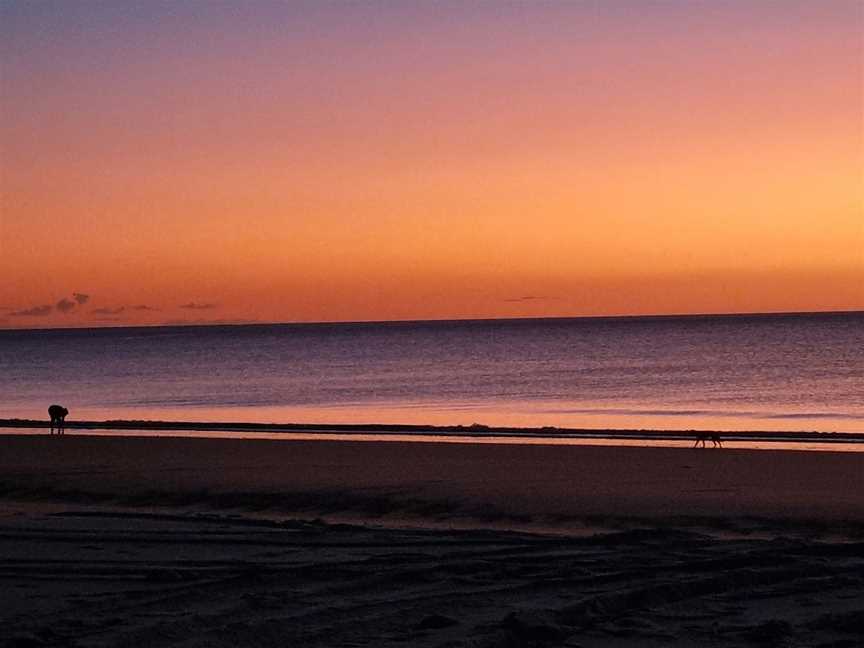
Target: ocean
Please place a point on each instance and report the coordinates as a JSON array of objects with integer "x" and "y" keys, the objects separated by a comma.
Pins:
[{"x": 802, "y": 372}]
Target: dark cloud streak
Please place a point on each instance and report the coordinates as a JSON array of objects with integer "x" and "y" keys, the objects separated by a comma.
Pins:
[
  {"x": 65, "y": 306},
  {"x": 213, "y": 322},
  {"x": 526, "y": 298},
  {"x": 36, "y": 311},
  {"x": 195, "y": 306}
]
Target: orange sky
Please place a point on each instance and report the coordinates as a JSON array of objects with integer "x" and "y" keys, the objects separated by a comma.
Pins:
[{"x": 310, "y": 162}]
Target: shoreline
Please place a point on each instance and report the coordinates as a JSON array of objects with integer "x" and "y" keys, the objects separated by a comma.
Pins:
[{"x": 470, "y": 431}]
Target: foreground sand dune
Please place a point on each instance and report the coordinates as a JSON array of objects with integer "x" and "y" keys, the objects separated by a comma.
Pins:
[
  {"x": 138, "y": 580},
  {"x": 199, "y": 542}
]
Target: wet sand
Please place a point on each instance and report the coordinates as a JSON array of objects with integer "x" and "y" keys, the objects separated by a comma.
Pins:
[
  {"x": 509, "y": 483},
  {"x": 202, "y": 542}
]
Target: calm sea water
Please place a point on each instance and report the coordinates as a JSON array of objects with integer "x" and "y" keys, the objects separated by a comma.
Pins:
[{"x": 803, "y": 372}]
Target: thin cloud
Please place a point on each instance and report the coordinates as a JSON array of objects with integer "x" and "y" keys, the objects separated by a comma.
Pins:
[
  {"x": 526, "y": 298},
  {"x": 198, "y": 322},
  {"x": 81, "y": 298},
  {"x": 196, "y": 306},
  {"x": 64, "y": 305},
  {"x": 108, "y": 311},
  {"x": 36, "y": 311}
]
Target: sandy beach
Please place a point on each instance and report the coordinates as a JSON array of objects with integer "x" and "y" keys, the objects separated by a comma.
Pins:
[{"x": 209, "y": 542}]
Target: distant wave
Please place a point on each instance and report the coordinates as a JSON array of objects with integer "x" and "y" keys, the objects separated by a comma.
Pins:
[
  {"x": 712, "y": 413},
  {"x": 819, "y": 415}
]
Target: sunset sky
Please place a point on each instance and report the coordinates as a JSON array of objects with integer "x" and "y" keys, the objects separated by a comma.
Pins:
[{"x": 318, "y": 161}]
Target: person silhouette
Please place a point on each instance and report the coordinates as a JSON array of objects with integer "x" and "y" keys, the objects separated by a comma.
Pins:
[{"x": 58, "y": 415}]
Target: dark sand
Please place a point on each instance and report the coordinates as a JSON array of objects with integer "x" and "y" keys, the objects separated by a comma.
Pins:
[{"x": 202, "y": 542}]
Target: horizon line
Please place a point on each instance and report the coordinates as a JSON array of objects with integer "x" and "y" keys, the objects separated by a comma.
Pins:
[{"x": 445, "y": 320}]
